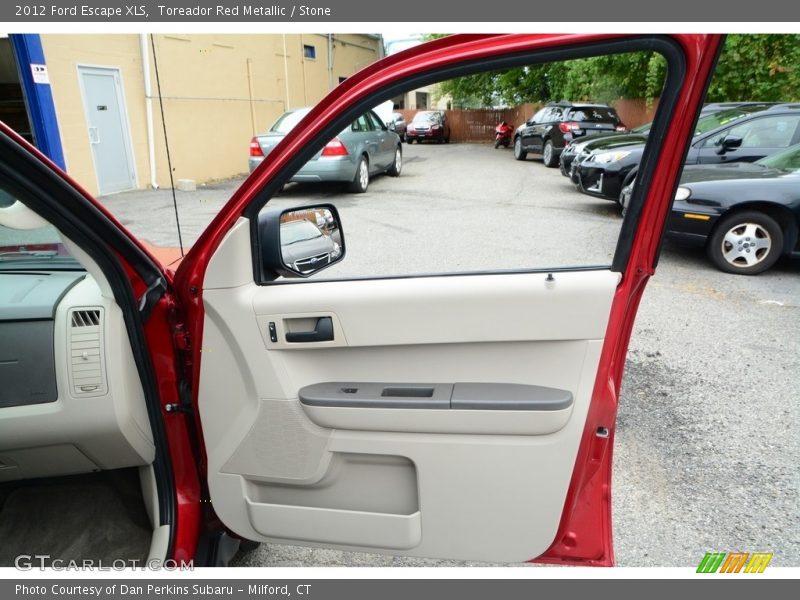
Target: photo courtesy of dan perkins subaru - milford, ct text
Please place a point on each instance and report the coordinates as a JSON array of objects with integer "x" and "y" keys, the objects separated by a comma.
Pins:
[{"x": 197, "y": 589}]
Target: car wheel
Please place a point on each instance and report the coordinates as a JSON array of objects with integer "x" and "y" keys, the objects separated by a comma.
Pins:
[
  {"x": 626, "y": 191},
  {"x": 519, "y": 153},
  {"x": 447, "y": 140},
  {"x": 360, "y": 182},
  {"x": 549, "y": 155},
  {"x": 625, "y": 196},
  {"x": 397, "y": 165},
  {"x": 747, "y": 242}
]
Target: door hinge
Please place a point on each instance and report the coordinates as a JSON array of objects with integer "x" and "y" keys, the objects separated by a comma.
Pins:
[{"x": 184, "y": 405}]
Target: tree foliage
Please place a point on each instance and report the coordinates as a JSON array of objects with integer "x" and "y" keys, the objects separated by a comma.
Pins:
[
  {"x": 758, "y": 67},
  {"x": 751, "y": 67}
]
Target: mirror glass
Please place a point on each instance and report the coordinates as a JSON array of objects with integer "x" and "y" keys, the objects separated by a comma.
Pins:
[{"x": 310, "y": 239}]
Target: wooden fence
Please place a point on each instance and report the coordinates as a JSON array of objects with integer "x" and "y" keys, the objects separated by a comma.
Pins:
[{"x": 476, "y": 125}]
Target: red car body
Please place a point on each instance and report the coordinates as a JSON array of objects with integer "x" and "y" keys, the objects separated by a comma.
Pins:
[{"x": 174, "y": 330}]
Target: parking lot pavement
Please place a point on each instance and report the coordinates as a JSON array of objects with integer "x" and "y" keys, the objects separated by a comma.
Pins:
[{"x": 709, "y": 422}]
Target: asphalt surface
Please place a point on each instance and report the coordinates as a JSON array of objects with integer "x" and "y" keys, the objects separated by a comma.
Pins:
[{"x": 708, "y": 437}]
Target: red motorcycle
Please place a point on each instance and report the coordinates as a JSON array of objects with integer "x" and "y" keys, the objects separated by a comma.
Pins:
[{"x": 502, "y": 135}]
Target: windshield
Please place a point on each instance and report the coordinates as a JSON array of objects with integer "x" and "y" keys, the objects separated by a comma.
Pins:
[
  {"x": 593, "y": 114},
  {"x": 39, "y": 248},
  {"x": 426, "y": 117},
  {"x": 788, "y": 160},
  {"x": 298, "y": 231},
  {"x": 287, "y": 121}
]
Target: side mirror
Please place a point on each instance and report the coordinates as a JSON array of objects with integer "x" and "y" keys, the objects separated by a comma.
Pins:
[
  {"x": 300, "y": 241},
  {"x": 728, "y": 143},
  {"x": 391, "y": 125}
]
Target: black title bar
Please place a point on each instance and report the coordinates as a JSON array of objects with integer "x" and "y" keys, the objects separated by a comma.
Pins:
[{"x": 358, "y": 11}]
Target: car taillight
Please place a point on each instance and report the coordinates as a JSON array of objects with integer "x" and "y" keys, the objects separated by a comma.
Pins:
[
  {"x": 569, "y": 126},
  {"x": 334, "y": 148},
  {"x": 255, "y": 148}
]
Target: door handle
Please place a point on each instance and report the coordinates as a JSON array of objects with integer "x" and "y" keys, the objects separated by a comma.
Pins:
[
  {"x": 94, "y": 135},
  {"x": 323, "y": 332}
]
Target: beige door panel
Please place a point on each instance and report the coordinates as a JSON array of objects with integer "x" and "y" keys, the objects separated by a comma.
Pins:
[
  {"x": 469, "y": 484},
  {"x": 446, "y": 310}
]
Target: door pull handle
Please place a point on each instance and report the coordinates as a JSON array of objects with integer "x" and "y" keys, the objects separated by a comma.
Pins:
[{"x": 323, "y": 332}]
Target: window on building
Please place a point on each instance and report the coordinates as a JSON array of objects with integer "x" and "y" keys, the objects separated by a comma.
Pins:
[{"x": 309, "y": 51}]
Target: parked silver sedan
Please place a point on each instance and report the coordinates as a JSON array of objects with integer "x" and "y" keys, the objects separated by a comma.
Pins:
[{"x": 365, "y": 148}]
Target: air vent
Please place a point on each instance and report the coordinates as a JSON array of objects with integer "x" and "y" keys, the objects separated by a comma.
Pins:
[
  {"x": 85, "y": 318},
  {"x": 87, "y": 369}
]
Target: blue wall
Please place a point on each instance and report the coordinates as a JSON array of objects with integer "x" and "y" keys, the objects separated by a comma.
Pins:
[{"x": 38, "y": 97}]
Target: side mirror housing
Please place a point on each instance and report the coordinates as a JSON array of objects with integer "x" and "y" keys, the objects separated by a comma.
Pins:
[
  {"x": 300, "y": 241},
  {"x": 728, "y": 143}
]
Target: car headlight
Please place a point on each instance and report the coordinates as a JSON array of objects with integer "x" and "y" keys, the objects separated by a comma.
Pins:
[
  {"x": 683, "y": 193},
  {"x": 607, "y": 157}
]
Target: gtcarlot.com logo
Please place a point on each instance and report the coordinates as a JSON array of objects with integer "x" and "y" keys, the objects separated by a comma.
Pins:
[
  {"x": 734, "y": 562},
  {"x": 28, "y": 562}
]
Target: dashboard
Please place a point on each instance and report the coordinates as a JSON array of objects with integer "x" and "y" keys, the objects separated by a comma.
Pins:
[{"x": 70, "y": 396}]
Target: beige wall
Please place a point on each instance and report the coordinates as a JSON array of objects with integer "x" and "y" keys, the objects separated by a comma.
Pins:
[
  {"x": 63, "y": 54},
  {"x": 218, "y": 91},
  {"x": 434, "y": 101}
]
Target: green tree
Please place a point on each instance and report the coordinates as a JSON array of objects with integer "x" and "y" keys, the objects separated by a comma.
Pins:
[
  {"x": 758, "y": 67},
  {"x": 751, "y": 67}
]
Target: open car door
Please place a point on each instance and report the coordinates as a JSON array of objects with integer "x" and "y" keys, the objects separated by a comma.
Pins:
[{"x": 462, "y": 415}]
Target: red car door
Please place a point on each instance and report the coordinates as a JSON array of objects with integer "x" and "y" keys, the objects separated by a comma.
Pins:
[
  {"x": 487, "y": 426},
  {"x": 509, "y": 486}
]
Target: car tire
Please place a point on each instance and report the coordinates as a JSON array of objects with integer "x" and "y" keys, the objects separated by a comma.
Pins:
[
  {"x": 360, "y": 182},
  {"x": 746, "y": 242},
  {"x": 549, "y": 157},
  {"x": 397, "y": 165},
  {"x": 409, "y": 140},
  {"x": 625, "y": 192},
  {"x": 447, "y": 140},
  {"x": 519, "y": 153},
  {"x": 625, "y": 196}
]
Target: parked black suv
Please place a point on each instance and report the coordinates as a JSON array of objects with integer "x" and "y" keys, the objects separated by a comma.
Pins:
[{"x": 557, "y": 124}]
